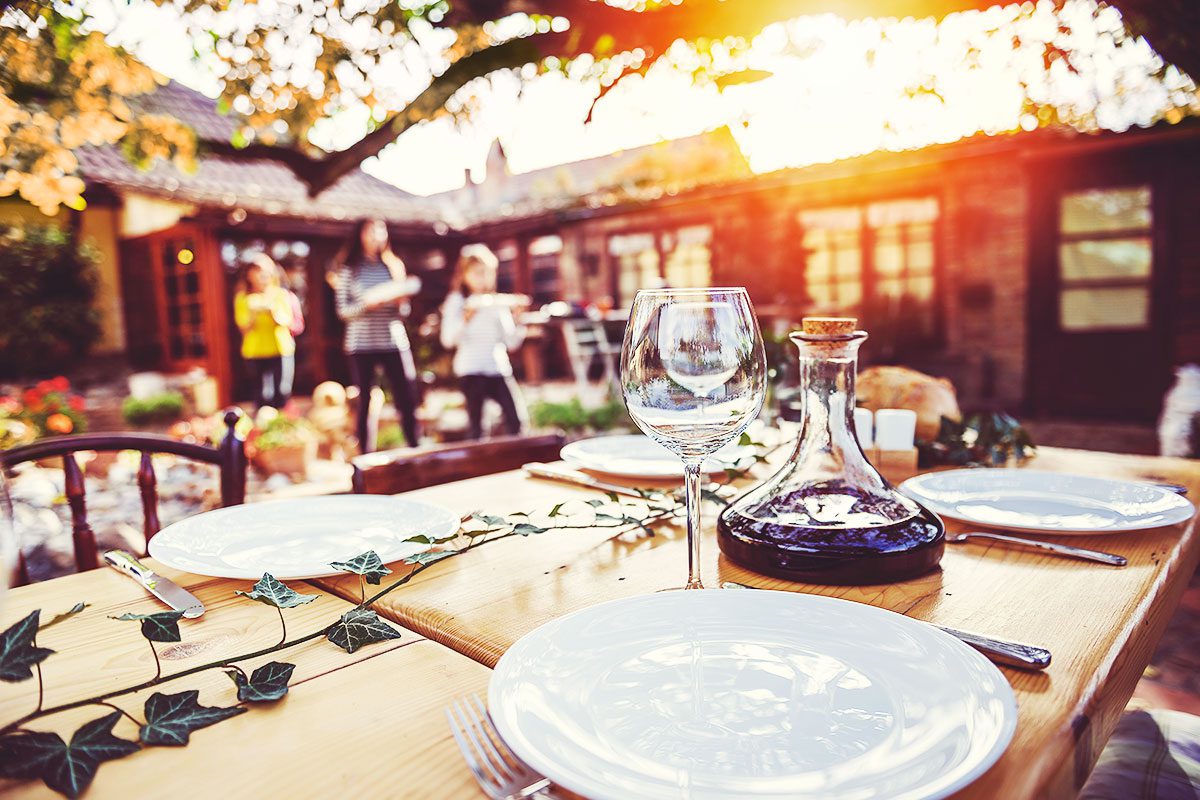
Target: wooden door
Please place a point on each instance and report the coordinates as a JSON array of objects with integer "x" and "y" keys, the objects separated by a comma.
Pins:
[
  {"x": 189, "y": 291},
  {"x": 1098, "y": 329}
]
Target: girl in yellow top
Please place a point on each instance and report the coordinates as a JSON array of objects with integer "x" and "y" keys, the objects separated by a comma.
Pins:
[{"x": 263, "y": 314}]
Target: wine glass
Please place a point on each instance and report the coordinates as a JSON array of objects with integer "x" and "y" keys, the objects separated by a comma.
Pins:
[{"x": 693, "y": 375}]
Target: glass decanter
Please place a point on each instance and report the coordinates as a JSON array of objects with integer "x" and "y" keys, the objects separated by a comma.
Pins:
[{"x": 828, "y": 516}]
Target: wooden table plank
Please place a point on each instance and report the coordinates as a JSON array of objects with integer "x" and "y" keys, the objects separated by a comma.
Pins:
[
  {"x": 374, "y": 726},
  {"x": 1102, "y": 623}
]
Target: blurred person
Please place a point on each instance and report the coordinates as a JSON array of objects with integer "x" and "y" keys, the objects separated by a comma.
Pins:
[
  {"x": 372, "y": 288},
  {"x": 296, "y": 327},
  {"x": 263, "y": 314},
  {"x": 479, "y": 323}
]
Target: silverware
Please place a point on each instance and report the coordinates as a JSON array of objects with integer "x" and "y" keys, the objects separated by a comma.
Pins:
[
  {"x": 499, "y": 772},
  {"x": 576, "y": 478},
  {"x": 164, "y": 589},
  {"x": 999, "y": 651},
  {"x": 1177, "y": 488},
  {"x": 1050, "y": 547}
]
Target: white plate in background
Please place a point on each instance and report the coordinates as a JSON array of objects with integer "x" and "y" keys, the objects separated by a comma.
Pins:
[{"x": 638, "y": 456}]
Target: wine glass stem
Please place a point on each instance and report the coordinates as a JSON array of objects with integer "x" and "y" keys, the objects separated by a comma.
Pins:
[{"x": 691, "y": 481}]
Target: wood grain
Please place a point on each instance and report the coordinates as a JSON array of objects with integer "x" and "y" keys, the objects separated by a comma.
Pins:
[
  {"x": 1101, "y": 623},
  {"x": 367, "y": 722}
]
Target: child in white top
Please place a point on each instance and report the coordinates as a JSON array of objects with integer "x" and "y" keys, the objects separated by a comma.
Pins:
[{"x": 480, "y": 324}]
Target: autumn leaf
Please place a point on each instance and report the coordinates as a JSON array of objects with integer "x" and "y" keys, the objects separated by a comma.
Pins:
[
  {"x": 65, "y": 768},
  {"x": 171, "y": 718},
  {"x": 368, "y": 565},
  {"x": 268, "y": 682},
  {"x": 18, "y": 653},
  {"x": 162, "y": 626},
  {"x": 360, "y": 626},
  {"x": 273, "y": 592}
]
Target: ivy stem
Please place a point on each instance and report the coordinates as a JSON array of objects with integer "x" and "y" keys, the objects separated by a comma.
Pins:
[
  {"x": 239, "y": 670},
  {"x": 157, "y": 661},
  {"x": 124, "y": 713},
  {"x": 41, "y": 683},
  {"x": 282, "y": 625}
]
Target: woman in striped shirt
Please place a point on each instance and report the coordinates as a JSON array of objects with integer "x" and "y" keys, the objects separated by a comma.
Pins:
[
  {"x": 372, "y": 299},
  {"x": 479, "y": 323}
]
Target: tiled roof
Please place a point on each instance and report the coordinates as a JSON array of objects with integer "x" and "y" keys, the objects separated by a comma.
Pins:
[{"x": 227, "y": 180}]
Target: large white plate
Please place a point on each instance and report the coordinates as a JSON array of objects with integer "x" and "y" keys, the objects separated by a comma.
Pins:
[
  {"x": 298, "y": 538},
  {"x": 750, "y": 694},
  {"x": 1054, "y": 502},
  {"x": 637, "y": 456}
]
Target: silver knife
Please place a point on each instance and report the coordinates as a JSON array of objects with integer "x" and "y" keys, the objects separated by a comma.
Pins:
[
  {"x": 164, "y": 589},
  {"x": 563, "y": 475},
  {"x": 999, "y": 651}
]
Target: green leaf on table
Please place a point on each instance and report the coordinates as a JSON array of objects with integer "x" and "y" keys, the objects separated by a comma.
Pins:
[
  {"x": 745, "y": 440},
  {"x": 732, "y": 474},
  {"x": 360, "y": 626},
  {"x": 554, "y": 512},
  {"x": 428, "y": 557},
  {"x": 368, "y": 565},
  {"x": 268, "y": 682},
  {"x": 171, "y": 718},
  {"x": 161, "y": 626},
  {"x": 65, "y": 768},
  {"x": 18, "y": 653},
  {"x": 613, "y": 497},
  {"x": 595, "y": 503},
  {"x": 70, "y": 612},
  {"x": 274, "y": 592},
  {"x": 525, "y": 528}
]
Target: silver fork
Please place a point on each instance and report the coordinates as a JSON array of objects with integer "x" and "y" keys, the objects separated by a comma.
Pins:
[{"x": 499, "y": 772}]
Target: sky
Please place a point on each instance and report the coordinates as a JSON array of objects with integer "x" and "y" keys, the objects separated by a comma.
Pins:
[{"x": 836, "y": 89}]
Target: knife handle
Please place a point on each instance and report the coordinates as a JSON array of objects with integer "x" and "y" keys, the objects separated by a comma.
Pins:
[{"x": 127, "y": 562}]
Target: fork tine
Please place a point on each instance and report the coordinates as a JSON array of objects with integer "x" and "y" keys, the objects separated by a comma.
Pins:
[
  {"x": 502, "y": 765},
  {"x": 492, "y": 735},
  {"x": 485, "y": 780},
  {"x": 483, "y": 744}
]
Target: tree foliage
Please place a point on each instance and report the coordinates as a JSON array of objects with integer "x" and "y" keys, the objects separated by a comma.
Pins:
[{"x": 289, "y": 65}]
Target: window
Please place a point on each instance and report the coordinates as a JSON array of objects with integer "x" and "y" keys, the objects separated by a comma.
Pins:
[
  {"x": 184, "y": 301},
  {"x": 506, "y": 274},
  {"x": 1105, "y": 259},
  {"x": 689, "y": 258},
  {"x": 876, "y": 260},
  {"x": 833, "y": 270},
  {"x": 543, "y": 269},
  {"x": 636, "y": 260}
]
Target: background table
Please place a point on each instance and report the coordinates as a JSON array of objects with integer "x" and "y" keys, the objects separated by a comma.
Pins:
[{"x": 1101, "y": 623}]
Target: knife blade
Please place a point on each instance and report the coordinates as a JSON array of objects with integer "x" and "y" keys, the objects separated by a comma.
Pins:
[
  {"x": 564, "y": 475},
  {"x": 164, "y": 589}
]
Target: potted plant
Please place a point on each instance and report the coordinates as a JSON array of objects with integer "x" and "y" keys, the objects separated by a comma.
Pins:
[{"x": 282, "y": 442}]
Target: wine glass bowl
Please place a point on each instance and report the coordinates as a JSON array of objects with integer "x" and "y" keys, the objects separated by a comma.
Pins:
[{"x": 693, "y": 376}]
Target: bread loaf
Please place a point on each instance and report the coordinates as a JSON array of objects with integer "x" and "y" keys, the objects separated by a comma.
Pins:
[{"x": 900, "y": 387}]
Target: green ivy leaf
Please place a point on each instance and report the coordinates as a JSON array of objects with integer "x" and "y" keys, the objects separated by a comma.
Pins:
[
  {"x": 162, "y": 626},
  {"x": 70, "y": 612},
  {"x": 274, "y": 592},
  {"x": 18, "y": 653},
  {"x": 368, "y": 565},
  {"x": 595, "y": 503},
  {"x": 360, "y": 626},
  {"x": 554, "y": 512},
  {"x": 171, "y": 718},
  {"x": 613, "y": 497},
  {"x": 525, "y": 528},
  {"x": 268, "y": 682},
  {"x": 745, "y": 440},
  {"x": 428, "y": 557},
  {"x": 65, "y": 768}
]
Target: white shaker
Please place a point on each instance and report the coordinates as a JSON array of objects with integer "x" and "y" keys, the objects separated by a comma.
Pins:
[
  {"x": 895, "y": 428},
  {"x": 864, "y": 426}
]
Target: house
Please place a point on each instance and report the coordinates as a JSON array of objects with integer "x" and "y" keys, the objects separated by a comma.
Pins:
[
  {"x": 171, "y": 244},
  {"x": 1047, "y": 273}
]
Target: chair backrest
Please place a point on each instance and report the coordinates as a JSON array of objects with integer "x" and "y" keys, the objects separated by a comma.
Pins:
[
  {"x": 229, "y": 456},
  {"x": 394, "y": 471}
]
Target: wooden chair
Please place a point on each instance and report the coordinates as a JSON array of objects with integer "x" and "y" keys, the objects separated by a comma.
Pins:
[
  {"x": 229, "y": 456},
  {"x": 585, "y": 340},
  {"x": 394, "y": 471}
]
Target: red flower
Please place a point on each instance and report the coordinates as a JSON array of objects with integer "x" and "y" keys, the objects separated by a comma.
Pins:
[
  {"x": 77, "y": 402},
  {"x": 59, "y": 423},
  {"x": 60, "y": 384},
  {"x": 45, "y": 387},
  {"x": 31, "y": 396}
]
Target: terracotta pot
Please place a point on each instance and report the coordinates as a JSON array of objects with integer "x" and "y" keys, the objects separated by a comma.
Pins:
[{"x": 290, "y": 460}]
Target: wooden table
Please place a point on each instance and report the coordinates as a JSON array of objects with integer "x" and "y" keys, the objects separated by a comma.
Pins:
[
  {"x": 1101, "y": 623},
  {"x": 373, "y": 720}
]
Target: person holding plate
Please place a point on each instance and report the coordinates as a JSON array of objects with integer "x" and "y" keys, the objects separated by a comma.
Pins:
[{"x": 372, "y": 290}]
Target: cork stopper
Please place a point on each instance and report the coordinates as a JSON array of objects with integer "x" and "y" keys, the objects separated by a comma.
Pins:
[{"x": 829, "y": 326}]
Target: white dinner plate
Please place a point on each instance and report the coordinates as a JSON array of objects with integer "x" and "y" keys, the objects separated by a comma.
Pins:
[
  {"x": 637, "y": 456},
  {"x": 298, "y": 538},
  {"x": 750, "y": 694},
  {"x": 1052, "y": 502}
]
